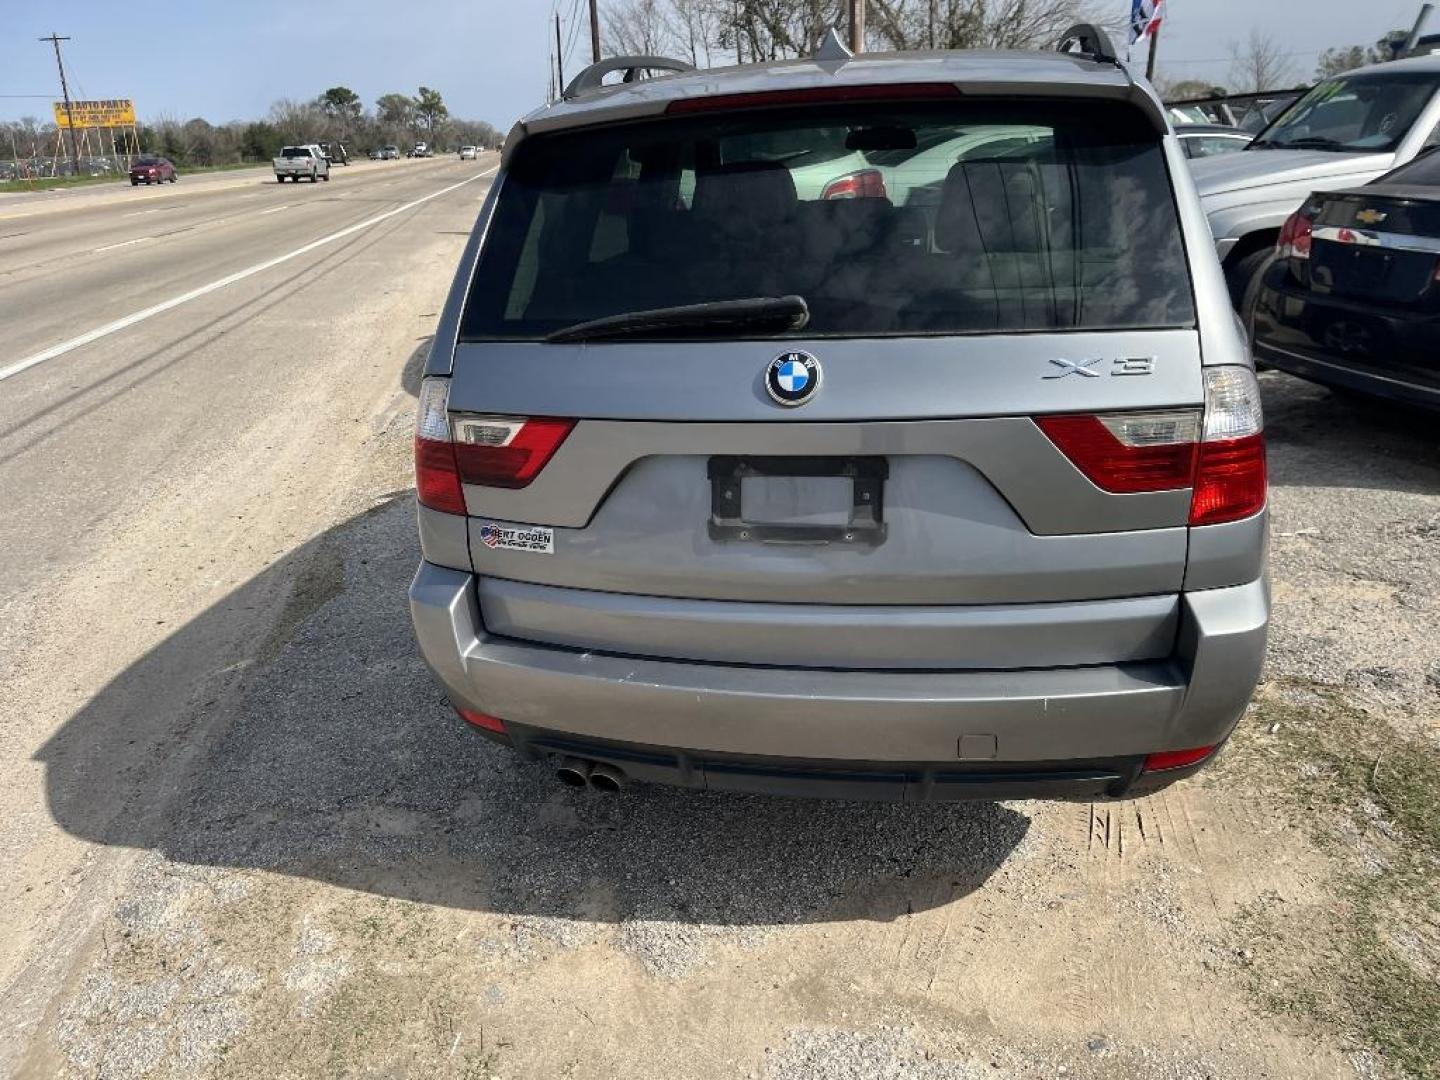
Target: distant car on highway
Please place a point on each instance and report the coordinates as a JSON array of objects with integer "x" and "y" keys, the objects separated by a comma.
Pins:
[
  {"x": 420, "y": 150},
  {"x": 1210, "y": 140},
  {"x": 295, "y": 162},
  {"x": 1353, "y": 298},
  {"x": 389, "y": 153},
  {"x": 336, "y": 153},
  {"x": 152, "y": 169},
  {"x": 468, "y": 153}
]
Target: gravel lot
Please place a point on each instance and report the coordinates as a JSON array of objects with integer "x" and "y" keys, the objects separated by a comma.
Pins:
[{"x": 334, "y": 877}]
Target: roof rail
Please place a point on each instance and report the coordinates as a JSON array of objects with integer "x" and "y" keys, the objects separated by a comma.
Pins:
[
  {"x": 1087, "y": 39},
  {"x": 592, "y": 78}
]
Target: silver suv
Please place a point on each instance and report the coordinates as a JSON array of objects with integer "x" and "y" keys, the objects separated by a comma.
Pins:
[{"x": 763, "y": 447}]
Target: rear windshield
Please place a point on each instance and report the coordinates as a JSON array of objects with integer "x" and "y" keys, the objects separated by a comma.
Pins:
[
  {"x": 887, "y": 219},
  {"x": 295, "y": 151},
  {"x": 1424, "y": 171}
]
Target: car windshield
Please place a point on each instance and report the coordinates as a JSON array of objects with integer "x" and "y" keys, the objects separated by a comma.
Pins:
[
  {"x": 1352, "y": 114},
  {"x": 1007, "y": 217},
  {"x": 295, "y": 151},
  {"x": 147, "y": 160}
]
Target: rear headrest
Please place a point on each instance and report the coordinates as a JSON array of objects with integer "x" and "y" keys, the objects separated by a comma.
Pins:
[
  {"x": 839, "y": 226},
  {"x": 760, "y": 191},
  {"x": 990, "y": 206}
]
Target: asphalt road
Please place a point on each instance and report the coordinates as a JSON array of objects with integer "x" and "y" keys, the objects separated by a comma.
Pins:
[
  {"x": 107, "y": 416},
  {"x": 192, "y": 379}
]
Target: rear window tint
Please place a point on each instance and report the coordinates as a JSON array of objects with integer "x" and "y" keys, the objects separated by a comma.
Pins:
[
  {"x": 888, "y": 220},
  {"x": 295, "y": 151},
  {"x": 1422, "y": 172}
]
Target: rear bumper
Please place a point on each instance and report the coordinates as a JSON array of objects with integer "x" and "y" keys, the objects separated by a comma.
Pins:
[
  {"x": 1357, "y": 345},
  {"x": 1080, "y": 731}
]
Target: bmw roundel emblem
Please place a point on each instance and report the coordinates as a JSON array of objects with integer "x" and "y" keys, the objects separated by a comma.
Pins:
[{"x": 793, "y": 377}]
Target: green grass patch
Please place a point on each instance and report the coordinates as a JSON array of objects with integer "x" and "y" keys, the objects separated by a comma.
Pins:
[{"x": 1370, "y": 965}]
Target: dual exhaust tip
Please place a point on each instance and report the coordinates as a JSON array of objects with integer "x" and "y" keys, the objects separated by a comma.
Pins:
[{"x": 578, "y": 773}]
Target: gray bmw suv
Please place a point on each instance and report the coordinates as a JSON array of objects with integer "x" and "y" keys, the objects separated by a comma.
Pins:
[{"x": 872, "y": 428}]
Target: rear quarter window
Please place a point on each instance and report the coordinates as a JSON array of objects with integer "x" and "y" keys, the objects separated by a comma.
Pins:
[{"x": 1013, "y": 217}]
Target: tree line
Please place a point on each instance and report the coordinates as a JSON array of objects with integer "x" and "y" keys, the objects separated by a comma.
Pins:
[
  {"x": 710, "y": 32},
  {"x": 1261, "y": 63},
  {"x": 337, "y": 115}
]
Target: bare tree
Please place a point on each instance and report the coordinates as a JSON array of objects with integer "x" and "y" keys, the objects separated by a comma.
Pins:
[
  {"x": 705, "y": 30},
  {"x": 974, "y": 24},
  {"x": 1259, "y": 64},
  {"x": 695, "y": 25},
  {"x": 637, "y": 28}
]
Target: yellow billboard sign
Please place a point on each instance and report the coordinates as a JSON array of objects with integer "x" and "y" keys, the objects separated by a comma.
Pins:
[{"x": 115, "y": 112}]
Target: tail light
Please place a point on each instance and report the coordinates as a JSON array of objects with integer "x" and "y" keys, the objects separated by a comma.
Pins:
[
  {"x": 506, "y": 451},
  {"x": 1297, "y": 232},
  {"x": 865, "y": 184},
  {"x": 1219, "y": 454},
  {"x": 491, "y": 451},
  {"x": 1230, "y": 480},
  {"x": 482, "y": 720},
  {"x": 1129, "y": 452},
  {"x": 1176, "y": 759}
]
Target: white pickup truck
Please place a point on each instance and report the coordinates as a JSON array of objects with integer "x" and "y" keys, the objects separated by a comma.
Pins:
[{"x": 297, "y": 161}]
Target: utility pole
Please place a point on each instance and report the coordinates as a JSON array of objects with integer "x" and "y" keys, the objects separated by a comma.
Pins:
[
  {"x": 55, "y": 40},
  {"x": 857, "y": 26},
  {"x": 1150, "y": 63},
  {"x": 594, "y": 32},
  {"x": 934, "y": 18},
  {"x": 559, "y": 60}
]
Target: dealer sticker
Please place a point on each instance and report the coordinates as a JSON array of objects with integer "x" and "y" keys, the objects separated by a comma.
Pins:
[{"x": 532, "y": 538}]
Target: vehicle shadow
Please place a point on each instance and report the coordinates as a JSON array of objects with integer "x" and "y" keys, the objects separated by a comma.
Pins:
[
  {"x": 414, "y": 368},
  {"x": 1321, "y": 438},
  {"x": 333, "y": 756}
]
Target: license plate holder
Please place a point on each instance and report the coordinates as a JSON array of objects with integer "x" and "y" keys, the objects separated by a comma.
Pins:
[{"x": 865, "y": 525}]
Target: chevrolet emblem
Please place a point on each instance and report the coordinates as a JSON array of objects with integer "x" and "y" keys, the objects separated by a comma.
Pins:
[{"x": 1371, "y": 217}]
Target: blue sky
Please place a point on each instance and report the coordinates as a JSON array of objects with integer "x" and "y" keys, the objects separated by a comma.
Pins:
[{"x": 229, "y": 59}]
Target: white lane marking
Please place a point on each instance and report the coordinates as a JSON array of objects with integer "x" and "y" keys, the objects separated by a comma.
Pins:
[
  {"x": 220, "y": 283},
  {"x": 137, "y": 213},
  {"x": 274, "y": 209},
  {"x": 123, "y": 243}
]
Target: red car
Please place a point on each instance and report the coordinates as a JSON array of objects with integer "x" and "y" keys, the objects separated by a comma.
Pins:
[{"x": 149, "y": 169}]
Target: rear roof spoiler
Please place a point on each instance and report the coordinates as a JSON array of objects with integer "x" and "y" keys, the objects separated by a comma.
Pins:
[
  {"x": 592, "y": 78},
  {"x": 1089, "y": 40}
]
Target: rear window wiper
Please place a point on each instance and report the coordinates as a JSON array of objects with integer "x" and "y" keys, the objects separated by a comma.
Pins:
[{"x": 779, "y": 312}]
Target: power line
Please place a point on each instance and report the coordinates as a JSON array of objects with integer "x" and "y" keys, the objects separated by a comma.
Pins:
[{"x": 574, "y": 30}]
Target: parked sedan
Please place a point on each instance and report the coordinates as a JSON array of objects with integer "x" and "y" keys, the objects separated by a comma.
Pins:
[
  {"x": 1353, "y": 298},
  {"x": 1208, "y": 140},
  {"x": 152, "y": 169}
]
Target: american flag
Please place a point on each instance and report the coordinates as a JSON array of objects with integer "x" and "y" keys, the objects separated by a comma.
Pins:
[{"x": 1145, "y": 16}]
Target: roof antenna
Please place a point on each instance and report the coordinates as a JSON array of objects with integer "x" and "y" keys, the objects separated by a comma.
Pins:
[{"x": 832, "y": 48}]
